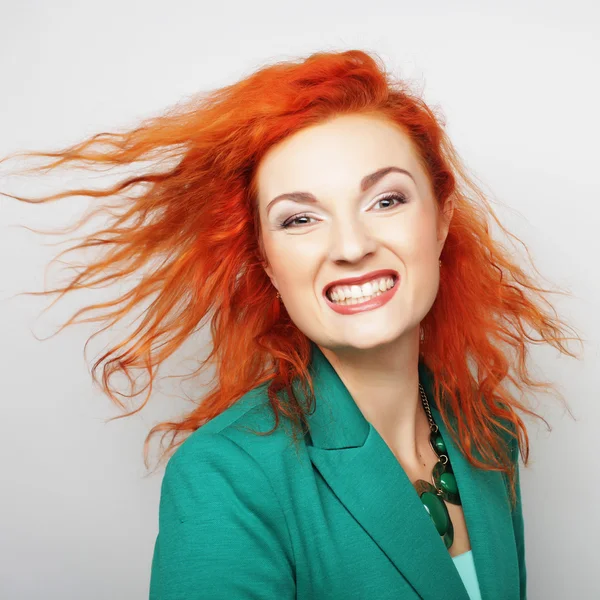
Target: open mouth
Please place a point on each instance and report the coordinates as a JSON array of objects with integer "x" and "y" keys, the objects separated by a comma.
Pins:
[{"x": 358, "y": 294}]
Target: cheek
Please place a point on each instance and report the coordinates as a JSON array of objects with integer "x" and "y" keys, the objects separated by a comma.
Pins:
[
  {"x": 413, "y": 239},
  {"x": 291, "y": 261}
]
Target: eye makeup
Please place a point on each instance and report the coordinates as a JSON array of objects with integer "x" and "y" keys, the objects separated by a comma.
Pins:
[{"x": 287, "y": 223}]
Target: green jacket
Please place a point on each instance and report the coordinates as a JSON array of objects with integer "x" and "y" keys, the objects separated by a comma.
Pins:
[{"x": 249, "y": 517}]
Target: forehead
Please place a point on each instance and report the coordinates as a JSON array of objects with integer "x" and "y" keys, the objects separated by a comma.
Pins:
[{"x": 335, "y": 155}]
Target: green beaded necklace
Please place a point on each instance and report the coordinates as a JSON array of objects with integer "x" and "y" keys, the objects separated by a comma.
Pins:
[{"x": 444, "y": 482}]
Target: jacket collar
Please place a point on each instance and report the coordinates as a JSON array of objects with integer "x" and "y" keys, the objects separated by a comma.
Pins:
[{"x": 347, "y": 449}]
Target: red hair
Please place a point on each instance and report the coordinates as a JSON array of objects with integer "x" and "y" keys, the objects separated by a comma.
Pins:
[{"x": 196, "y": 225}]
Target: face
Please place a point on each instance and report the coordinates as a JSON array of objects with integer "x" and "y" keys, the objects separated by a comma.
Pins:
[{"x": 351, "y": 217}]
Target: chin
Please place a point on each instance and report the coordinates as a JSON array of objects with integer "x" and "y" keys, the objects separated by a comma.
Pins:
[{"x": 369, "y": 340}]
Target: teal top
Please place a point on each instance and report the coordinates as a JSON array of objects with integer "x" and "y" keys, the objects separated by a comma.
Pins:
[
  {"x": 330, "y": 517},
  {"x": 466, "y": 569}
]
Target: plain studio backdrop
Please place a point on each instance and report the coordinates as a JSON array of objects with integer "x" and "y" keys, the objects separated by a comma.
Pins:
[{"x": 518, "y": 85}]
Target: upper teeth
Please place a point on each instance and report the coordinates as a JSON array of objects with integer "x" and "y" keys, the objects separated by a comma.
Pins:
[{"x": 342, "y": 292}]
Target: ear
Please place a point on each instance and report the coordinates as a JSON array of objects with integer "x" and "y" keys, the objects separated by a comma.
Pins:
[
  {"x": 446, "y": 215},
  {"x": 269, "y": 273}
]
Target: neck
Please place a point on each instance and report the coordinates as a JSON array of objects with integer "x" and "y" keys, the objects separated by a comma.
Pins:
[{"x": 384, "y": 383}]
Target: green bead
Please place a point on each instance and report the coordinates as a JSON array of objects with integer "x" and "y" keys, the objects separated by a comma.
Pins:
[
  {"x": 448, "y": 483},
  {"x": 438, "y": 444},
  {"x": 449, "y": 538},
  {"x": 437, "y": 510}
]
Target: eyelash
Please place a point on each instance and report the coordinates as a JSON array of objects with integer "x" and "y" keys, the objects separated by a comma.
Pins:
[{"x": 286, "y": 224}]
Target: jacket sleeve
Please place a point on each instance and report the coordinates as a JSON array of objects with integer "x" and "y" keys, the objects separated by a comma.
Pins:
[
  {"x": 222, "y": 532},
  {"x": 519, "y": 528}
]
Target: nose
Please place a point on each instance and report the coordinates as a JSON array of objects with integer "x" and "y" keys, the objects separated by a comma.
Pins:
[{"x": 351, "y": 241}]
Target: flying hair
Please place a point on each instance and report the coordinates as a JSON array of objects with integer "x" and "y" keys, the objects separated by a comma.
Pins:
[{"x": 189, "y": 236}]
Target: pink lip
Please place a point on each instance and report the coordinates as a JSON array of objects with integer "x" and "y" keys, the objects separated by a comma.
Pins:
[{"x": 375, "y": 302}]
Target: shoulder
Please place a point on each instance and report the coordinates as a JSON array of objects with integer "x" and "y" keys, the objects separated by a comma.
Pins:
[
  {"x": 218, "y": 508},
  {"x": 236, "y": 429},
  {"x": 228, "y": 456}
]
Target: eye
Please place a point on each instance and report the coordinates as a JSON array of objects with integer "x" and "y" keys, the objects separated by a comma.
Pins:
[
  {"x": 400, "y": 198},
  {"x": 293, "y": 223},
  {"x": 288, "y": 222}
]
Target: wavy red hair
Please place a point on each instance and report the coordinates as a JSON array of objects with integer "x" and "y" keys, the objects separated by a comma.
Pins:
[{"x": 196, "y": 224}]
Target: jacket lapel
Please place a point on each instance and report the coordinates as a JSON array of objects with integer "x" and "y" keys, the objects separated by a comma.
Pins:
[{"x": 367, "y": 478}]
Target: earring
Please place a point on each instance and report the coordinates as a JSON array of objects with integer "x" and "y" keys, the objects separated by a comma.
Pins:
[
  {"x": 278, "y": 296},
  {"x": 440, "y": 263}
]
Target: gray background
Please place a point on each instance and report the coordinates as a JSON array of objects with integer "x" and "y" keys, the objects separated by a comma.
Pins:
[{"x": 518, "y": 84}]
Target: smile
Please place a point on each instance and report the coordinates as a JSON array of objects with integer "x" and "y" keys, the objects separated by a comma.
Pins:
[{"x": 350, "y": 299}]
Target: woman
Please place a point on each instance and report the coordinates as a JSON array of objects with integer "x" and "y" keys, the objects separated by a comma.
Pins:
[{"x": 359, "y": 441}]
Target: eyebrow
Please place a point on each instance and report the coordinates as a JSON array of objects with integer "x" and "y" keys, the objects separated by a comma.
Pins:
[{"x": 366, "y": 182}]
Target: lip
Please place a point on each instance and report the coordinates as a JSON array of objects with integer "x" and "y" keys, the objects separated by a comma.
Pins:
[
  {"x": 374, "y": 302},
  {"x": 362, "y": 279}
]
